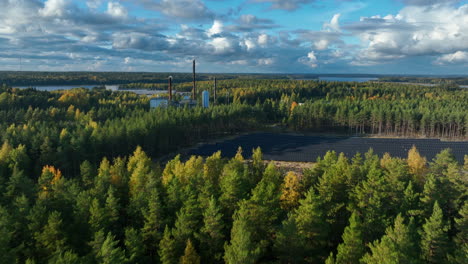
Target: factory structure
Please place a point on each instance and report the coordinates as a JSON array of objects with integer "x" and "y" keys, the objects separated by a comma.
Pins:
[{"x": 188, "y": 99}]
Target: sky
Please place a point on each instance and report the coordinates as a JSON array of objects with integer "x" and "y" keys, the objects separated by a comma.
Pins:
[{"x": 427, "y": 37}]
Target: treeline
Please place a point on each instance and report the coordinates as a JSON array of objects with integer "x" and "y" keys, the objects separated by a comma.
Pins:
[
  {"x": 363, "y": 209},
  {"x": 127, "y": 79},
  {"x": 93, "y": 78},
  {"x": 427, "y": 80}
]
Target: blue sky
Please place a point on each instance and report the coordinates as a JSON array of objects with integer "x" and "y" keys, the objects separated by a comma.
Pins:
[{"x": 264, "y": 36}]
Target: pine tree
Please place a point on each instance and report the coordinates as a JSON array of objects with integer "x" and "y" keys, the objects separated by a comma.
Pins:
[
  {"x": 352, "y": 249},
  {"x": 241, "y": 249},
  {"x": 153, "y": 221},
  {"x": 396, "y": 246},
  {"x": 234, "y": 187},
  {"x": 461, "y": 239},
  {"x": 212, "y": 170},
  {"x": 290, "y": 191},
  {"x": 411, "y": 205},
  {"x": 289, "y": 245},
  {"x": 332, "y": 190},
  {"x": 188, "y": 222},
  {"x": 190, "y": 254},
  {"x": 312, "y": 225},
  {"x": 135, "y": 246},
  {"x": 98, "y": 218},
  {"x": 52, "y": 237},
  {"x": 211, "y": 234},
  {"x": 465, "y": 165},
  {"x": 434, "y": 239},
  {"x": 6, "y": 235},
  {"x": 110, "y": 253},
  {"x": 87, "y": 172},
  {"x": 167, "y": 248},
  {"x": 371, "y": 200},
  {"x": 68, "y": 257},
  {"x": 112, "y": 209},
  {"x": 19, "y": 184},
  {"x": 258, "y": 167}
]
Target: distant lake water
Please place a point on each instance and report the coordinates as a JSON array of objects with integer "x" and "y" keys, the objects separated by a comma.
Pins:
[
  {"x": 347, "y": 79},
  {"x": 108, "y": 87},
  {"x": 56, "y": 87}
]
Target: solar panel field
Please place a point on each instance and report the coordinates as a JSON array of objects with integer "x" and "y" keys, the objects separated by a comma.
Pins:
[{"x": 303, "y": 148}]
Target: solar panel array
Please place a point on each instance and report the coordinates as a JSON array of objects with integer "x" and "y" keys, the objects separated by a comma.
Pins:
[{"x": 302, "y": 148}]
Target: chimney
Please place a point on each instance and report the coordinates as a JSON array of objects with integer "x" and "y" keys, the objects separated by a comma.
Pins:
[
  {"x": 214, "y": 92},
  {"x": 194, "y": 91},
  {"x": 170, "y": 88}
]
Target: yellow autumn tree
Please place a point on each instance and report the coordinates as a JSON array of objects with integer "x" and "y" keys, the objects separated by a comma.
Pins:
[
  {"x": 290, "y": 191},
  {"x": 190, "y": 255},
  {"x": 293, "y": 105},
  {"x": 50, "y": 176},
  {"x": 417, "y": 164},
  {"x": 170, "y": 169},
  {"x": 239, "y": 156},
  {"x": 386, "y": 160}
]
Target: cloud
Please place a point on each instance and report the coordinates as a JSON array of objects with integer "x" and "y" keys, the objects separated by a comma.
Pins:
[
  {"x": 216, "y": 28},
  {"x": 414, "y": 31},
  {"x": 428, "y": 2},
  {"x": 263, "y": 39},
  {"x": 285, "y": 4},
  {"x": 115, "y": 9},
  {"x": 459, "y": 57},
  {"x": 334, "y": 25},
  {"x": 250, "y": 23},
  {"x": 310, "y": 60},
  {"x": 139, "y": 41},
  {"x": 186, "y": 10},
  {"x": 113, "y": 35}
]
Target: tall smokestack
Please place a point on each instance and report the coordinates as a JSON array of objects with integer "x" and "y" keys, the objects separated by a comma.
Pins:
[
  {"x": 214, "y": 92},
  {"x": 194, "y": 91},
  {"x": 170, "y": 88}
]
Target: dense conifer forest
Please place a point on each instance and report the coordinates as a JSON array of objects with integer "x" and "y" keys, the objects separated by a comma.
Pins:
[{"x": 79, "y": 181}]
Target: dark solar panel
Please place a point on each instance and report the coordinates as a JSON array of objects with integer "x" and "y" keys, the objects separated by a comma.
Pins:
[{"x": 290, "y": 147}]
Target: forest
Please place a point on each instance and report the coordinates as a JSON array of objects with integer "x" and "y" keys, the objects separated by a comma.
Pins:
[
  {"x": 27, "y": 78},
  {"x": 81, "y": 180}
]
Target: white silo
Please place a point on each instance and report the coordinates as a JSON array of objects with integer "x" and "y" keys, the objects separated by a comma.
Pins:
[{"x": 206, "y": 99}]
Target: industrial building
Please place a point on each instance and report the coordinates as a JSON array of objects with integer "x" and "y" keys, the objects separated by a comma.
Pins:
[{"x": 188, "y": 99}]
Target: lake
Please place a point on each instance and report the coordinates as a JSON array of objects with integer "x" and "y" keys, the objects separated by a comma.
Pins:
[
  {"x": 305, "y": 148},
  {"x": 347, "y": 79},
  {"x": 57, "y": 87},
  {"x": 108, "y": 87}
]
